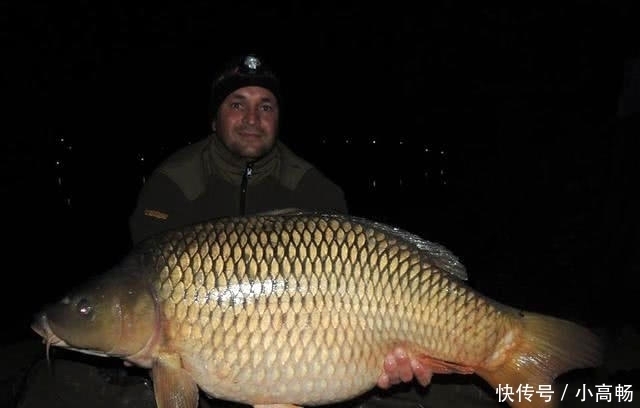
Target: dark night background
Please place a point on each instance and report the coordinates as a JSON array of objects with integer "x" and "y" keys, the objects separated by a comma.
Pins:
[{"x": 508, "y": 134}]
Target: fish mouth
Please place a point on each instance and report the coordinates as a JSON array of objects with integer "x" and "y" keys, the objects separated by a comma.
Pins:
[{"x": 41, "y": 326}]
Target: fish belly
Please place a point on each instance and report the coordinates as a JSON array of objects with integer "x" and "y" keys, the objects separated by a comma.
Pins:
[
  {"x": 307, "y": 350},
  {"x": 283, "y": 359}
]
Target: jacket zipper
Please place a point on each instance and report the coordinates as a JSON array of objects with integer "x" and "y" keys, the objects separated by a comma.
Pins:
[{"x": 243, "y": 187}]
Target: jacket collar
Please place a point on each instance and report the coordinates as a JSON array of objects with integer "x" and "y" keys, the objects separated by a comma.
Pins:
[{"x": 220, "y": 161}]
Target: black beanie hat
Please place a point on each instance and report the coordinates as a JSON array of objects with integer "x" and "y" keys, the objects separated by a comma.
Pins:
[{"x": 248, "y": 70}]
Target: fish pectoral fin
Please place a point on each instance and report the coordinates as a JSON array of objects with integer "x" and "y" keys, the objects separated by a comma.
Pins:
[
  {"x": 172, "y": 385},
  {"x": 443, "y": 367}
]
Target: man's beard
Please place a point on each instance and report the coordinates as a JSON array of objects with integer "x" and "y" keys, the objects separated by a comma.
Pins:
[
  {"x": 250, "y": 153},
  {"x": 243, "y": 152}
]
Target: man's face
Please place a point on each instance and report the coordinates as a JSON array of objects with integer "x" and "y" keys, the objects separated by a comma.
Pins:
[{"x": 247, "y": 121}]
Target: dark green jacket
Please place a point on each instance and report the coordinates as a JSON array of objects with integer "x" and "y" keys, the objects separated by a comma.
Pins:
[{"x": 204, "y": 181}]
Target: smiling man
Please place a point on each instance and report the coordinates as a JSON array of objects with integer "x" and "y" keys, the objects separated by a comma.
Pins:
[
  {"x": 241, "y": 168},
  {"x": 247, "y": 122}
]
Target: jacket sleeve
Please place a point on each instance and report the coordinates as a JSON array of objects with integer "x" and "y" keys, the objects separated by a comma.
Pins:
[{"x": 159, "y": 202}]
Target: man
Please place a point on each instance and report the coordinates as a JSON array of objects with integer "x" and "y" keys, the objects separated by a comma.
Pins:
[{"x": 241, "y": 168}]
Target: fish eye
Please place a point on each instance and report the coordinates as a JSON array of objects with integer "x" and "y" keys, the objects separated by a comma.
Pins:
[{"x": 84, "y": 307}]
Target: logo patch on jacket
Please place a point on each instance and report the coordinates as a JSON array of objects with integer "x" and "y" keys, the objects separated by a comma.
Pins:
[{"x": 156, "y": 214}]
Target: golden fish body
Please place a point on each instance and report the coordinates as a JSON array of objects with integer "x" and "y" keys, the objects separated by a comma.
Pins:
[{"x": 302, "y": 308}]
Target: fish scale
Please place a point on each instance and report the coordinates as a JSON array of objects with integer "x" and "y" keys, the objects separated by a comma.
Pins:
[
  {"x": 302, "y": 309},
  {"x": 306, "y": 281}
]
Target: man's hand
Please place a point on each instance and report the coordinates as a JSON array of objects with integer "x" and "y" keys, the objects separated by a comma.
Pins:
[{"x": 398, "y": 367}]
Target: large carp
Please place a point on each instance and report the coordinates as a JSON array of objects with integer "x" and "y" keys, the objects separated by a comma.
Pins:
[{"x": 301, "y": 309}]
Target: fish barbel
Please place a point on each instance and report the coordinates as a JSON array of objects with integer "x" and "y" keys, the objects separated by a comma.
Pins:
[{"x": 301, "y": 309}]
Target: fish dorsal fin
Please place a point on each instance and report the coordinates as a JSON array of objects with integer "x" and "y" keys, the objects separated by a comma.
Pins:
[
  {"x": 438, "y": 255},
  {"x": 442, "y": 257},
  {"x": 280, "y": 211}
]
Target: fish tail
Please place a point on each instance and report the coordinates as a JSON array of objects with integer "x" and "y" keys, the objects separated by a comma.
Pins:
[{"x": 548, "y": 347}]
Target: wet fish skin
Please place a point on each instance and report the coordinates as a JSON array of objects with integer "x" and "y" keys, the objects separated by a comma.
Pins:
[{"x": 301, "y": 309}]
